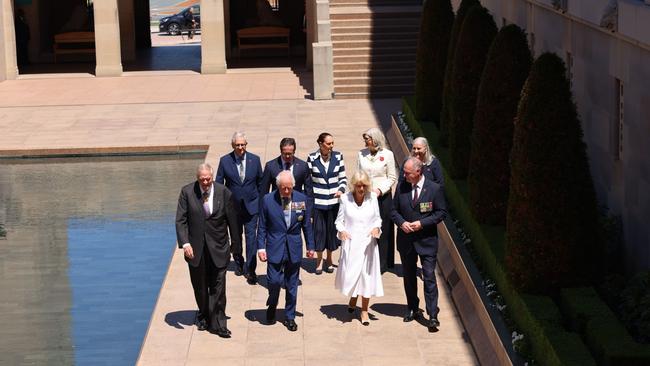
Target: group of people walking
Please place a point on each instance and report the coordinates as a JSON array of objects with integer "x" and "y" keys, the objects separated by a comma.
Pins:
[{"x": 314, "y": 199}]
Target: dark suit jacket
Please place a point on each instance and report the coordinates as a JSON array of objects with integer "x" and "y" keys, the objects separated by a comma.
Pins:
[
  {"x": 246, "y": 193},
  {"x": 212, "y": 233},
  {"x": 432, "y": 171},
  {"x": 274, "y": 236},
  {"x": 300, "y": 172},
  {"x": 425, "y": 241}
]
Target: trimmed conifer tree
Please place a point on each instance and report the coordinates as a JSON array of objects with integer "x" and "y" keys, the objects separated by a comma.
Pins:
[
  {"x": 552, "y": 237},
  {"x": 464, "y": 7},
  {"x": 433, "y": 42},
  {"x": 474, "y": 41},
  {"x": 507, "y": 66}
]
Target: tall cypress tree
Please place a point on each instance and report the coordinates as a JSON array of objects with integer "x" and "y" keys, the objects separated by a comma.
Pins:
[
  {"x": 433, "y": 43},
  {"x": 474, "y": 41},
  {"x": 507, "y": 66},
  {"x": 552, "y": 235},
  {"x": 464, "y": 7}
]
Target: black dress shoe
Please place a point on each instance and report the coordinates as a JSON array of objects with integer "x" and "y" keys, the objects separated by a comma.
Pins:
[
  {"x": 202, "y": 325},
  {"x": 222, "y": 332},
  {"x": 239, "y": 270},
  {"x": 270, "y": 315},
  {"x": 433, "y": 322},
  {"x": 251, "y": 278},
  {"x": 291, "y": 325},
  {"x": 412, "y": 315}
]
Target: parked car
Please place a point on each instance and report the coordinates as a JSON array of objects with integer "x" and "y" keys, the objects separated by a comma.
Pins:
[{"x": 175, "y": 24}]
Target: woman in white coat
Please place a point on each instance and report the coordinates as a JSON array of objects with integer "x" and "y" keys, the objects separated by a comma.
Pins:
[{"x": 358, "y": 224}]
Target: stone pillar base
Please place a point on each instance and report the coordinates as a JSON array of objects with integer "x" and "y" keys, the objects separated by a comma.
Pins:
[
  {"x": 217, "y": 68},
  {"x": 108, "y": 70},
  {"x": 323, "y": 71}
]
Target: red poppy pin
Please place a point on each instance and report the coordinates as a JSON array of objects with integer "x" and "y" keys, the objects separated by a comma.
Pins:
[{"x": 381, "y": 158}]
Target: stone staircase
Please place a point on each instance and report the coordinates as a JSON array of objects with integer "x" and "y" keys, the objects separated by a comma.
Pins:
[{"x": 373, "y": 46}]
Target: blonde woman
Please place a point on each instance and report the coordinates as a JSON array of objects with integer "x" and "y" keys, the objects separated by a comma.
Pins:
[
  {"x": 379, "y": 163},
  {"x": 358, "y": 224}
]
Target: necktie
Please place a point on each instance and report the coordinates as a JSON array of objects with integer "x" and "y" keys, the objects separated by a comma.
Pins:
[
  {"x": 242, "y": 172},
  {"x": 206, "y": 204},
  {"x": 415, "y": 193},
  {"x": 287, "y": 210},
  {"x": 287, "y": 166}
]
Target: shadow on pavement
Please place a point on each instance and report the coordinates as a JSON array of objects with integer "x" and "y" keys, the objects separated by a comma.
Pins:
[
  {"x": 338, "y": 312},
  {"x": 178, "y": 319}
]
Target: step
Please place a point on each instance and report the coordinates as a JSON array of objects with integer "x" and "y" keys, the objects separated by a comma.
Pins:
[
  {"x": 353, "y": 28},
  {"x": 375, "y": 2},
  {"x": 375, "y": 80},
  {"x": 374, "y": 51},
  {"x": 374, "y": 95},
  {"x": 374, "y": 43},
  {"x": 341, "y": 66},
  {"x": 375, "y": 12},
  {"x": 388, "y": 58},
  {"x": 376, "y": 22},
  {"x": 374, "y": 73},
  {"x": 407, "y": 89},
  {"x": 408, "y": 36}
]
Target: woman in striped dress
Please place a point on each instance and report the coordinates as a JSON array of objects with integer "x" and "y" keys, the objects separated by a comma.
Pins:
[{"x": 329, "y": 182}]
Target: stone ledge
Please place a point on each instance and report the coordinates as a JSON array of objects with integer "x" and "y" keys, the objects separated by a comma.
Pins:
[{"x": 104, "y": 151}]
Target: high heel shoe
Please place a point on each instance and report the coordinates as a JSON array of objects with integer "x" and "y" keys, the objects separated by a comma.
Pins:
[{"x": 364, "y": 318}]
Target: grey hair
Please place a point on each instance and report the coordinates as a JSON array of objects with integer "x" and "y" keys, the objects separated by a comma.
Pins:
[
  {"x": 428, "y": 156},
  {"x": 415, "y": 162},
  {"x": 377, "y": 137},
  {"x": 281, "y": 175},
  {"x": 238, "y": 135},
  {"x": 204, "y": 166}
]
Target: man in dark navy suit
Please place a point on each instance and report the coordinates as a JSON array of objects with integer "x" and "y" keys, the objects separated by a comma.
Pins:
[
  {"x": 206, "y": 214},
  {"x": 418, "y": 207},
  {"x": 241, "y": 172},
  {"x": 287, "y": 161},
  {"x": 284, "y": 213}
]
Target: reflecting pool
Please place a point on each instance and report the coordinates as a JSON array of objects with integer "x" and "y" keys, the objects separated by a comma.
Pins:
[{"x": 88, "y": 242}]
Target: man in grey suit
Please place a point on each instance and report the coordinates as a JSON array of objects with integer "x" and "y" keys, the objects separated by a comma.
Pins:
[{"x": 206, "y": 213}]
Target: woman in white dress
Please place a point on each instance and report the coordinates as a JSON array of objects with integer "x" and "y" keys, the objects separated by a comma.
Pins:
[{"x": 358, "y": 224}]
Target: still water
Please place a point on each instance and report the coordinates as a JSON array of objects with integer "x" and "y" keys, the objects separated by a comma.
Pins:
[{"x": 87, "y": 245}]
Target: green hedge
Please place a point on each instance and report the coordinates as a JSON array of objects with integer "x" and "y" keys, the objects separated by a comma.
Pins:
[
  {"x": 604, "y": 334},
  {"x": 538, "y": 317}
]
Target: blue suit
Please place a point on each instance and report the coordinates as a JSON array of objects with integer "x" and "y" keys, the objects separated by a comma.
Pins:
[
  {"x": 246, "y": 197},
  {"x": 430, "y": 208},
  {"x": 301, "y": 174},
  {"x": 283, "y": 245}
]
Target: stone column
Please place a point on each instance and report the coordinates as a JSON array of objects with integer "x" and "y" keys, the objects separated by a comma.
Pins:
[
  {"x": 8, "y": 66},
  {"x": 107, "y": 38},
  {"x": 213, "y": 45},
  {"x": 310, "y": 18},
  {"x": 127, "y": 29}
]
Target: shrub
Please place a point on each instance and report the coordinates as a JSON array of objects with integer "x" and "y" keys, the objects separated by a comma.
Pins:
[
  {"x": 507, "y": 66},
  {"x": 552, "y": 233},
  {"x": 635, "y": 306},
  {"x": 474, "y": 41},
  {"x": 433, "y": 43},
  {"x": 464, "y": 7},
  {"x": 606, "y": 337}
]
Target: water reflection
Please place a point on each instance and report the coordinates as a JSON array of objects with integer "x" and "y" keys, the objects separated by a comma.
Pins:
[{"x": 87, "y": 245}]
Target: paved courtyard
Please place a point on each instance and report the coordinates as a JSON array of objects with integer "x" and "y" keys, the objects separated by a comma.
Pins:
[{"x": 52, "y": 114}]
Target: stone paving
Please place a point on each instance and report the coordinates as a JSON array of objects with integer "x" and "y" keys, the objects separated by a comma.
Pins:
[{"x": 50, "y": 114}]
